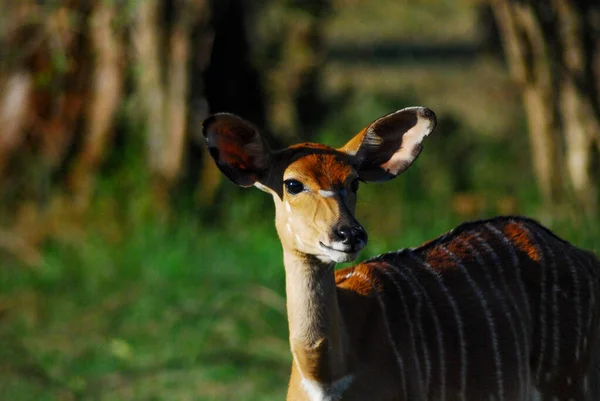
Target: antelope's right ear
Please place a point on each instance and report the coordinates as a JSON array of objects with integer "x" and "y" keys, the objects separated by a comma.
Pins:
[
  {"x": 390, "y": 144},
  {"x": 237, "y": 148}
]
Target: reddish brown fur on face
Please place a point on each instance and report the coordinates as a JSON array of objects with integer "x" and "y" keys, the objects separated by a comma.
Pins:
[
  {"x": 519, "y": 236},
  {"x": 324, "y": 169}
]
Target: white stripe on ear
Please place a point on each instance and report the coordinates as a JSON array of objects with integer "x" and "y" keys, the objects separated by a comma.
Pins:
[
  {"x": 411, "y": 143},
  {"x": 390, "y": 144}
]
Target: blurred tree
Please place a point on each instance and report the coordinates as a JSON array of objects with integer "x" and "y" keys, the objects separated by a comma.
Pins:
[
  {"x": 553, "y": 52},
  {"x": 288, "y": 41},
  {"x": 67, "y": 70},
  {"x": 76, "y": 76},
  {"x": 161, "y": 35}
]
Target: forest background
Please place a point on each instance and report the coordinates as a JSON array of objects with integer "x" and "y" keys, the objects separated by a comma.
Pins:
[{"x": 130, "y": 269}]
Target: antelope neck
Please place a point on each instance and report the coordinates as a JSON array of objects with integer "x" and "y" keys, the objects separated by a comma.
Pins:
[{"x": 317, "y": 336}]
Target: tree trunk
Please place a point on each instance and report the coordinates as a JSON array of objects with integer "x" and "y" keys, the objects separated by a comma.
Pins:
[
  {"x": 580, "y": 121},
  {"x": 104, "y": 97},
  {"x": 14, "y": 106},
  {"x": 290, "y": 45},
  {"x": 547, "y": 48}
]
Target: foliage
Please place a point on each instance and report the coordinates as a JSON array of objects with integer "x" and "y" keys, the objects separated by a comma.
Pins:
[
  {"x": 137, "y": 306},
  {"x": 130, "y": 301}
]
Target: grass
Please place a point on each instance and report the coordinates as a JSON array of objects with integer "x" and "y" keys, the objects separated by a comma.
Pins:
[
  {"x": 147, "y": 316},
  {"x": 138, "y": 306},
  {"x": 135, "y": 306},
  {"x": 182, "y": 308}
]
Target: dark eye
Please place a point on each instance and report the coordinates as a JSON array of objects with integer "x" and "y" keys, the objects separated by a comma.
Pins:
[
  {"x": 293, "y": 187},
  {"x": 354, "y": 185}
]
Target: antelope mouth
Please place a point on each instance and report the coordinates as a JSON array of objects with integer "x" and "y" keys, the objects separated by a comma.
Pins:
[
  {"x": 343, "y": 249},
  {"x": 341, "y": 255}
]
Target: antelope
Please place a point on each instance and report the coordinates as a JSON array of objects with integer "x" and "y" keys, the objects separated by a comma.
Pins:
[{"x": 499, "y": 309}]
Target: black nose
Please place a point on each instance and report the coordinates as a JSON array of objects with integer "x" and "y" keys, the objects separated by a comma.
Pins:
[{"x": 351, "y": 235}]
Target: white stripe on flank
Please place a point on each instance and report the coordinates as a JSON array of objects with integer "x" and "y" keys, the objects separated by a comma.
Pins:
[
  {"x": 590, "y": 307},
  {"x": 516, "y": 265},
  {"x": 592, "y": 288},
  {"x": 521, "y": 359},
  {"x": 459, "y": 324},
  {"x": 388, "y": 332},
  {"x": 411, "y": 328},
  {"x": 488, "y": 317},
  {"x": 521, "y": 365},
  {"x": 543, "y": 307},
  {"x": 555, "y": 307},
  {"x": 576, "y": 304},
  {"x": 438, "y": 332}
]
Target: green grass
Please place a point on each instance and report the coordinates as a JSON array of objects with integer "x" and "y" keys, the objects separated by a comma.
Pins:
[
  {"x": 171, "y": 311},
  {"x": 191, "y": 306},
  {"x": 136, "y": 307}
]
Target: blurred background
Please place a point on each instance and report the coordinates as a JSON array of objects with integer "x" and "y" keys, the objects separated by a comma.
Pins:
[{"x": 130, "y": 269}]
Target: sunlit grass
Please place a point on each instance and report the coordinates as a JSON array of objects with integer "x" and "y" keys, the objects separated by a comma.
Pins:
[
  {"x": 170, "y": 305},
  {"x": 190, "y": 306}
]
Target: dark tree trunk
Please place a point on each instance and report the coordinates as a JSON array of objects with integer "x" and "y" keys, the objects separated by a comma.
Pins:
[{"x": 552, "y": 52}]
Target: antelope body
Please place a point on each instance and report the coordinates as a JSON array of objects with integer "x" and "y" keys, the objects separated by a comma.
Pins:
[{"x": 500, "y": 309}]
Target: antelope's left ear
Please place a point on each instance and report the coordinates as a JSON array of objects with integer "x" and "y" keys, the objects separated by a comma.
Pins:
[
  {"x": 237, "y": 148},
  {"x": 390, "y": 144}
]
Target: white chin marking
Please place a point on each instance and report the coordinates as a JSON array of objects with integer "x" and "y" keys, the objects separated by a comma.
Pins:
[{"x": 331, "y": 255}]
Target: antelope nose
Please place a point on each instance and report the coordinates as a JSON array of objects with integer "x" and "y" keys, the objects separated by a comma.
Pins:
[{"x": 351, "y": 235}]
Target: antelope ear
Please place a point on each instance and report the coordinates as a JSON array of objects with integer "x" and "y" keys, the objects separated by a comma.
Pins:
[
  {"x": 390, "y": 144},
  {"x": 237, "y": 148}
]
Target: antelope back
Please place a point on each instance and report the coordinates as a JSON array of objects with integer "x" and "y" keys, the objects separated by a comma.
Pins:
[{"x": 497, "y": 309}]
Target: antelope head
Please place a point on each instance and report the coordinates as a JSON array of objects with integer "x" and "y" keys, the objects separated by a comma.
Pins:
[{"x": 315, "y": 186}]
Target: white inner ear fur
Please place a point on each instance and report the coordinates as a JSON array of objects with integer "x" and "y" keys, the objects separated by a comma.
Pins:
[{"x": 411, "y": 140}]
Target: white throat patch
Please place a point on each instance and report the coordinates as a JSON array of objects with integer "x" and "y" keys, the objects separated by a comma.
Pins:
[{"x": 318, "y": 392}]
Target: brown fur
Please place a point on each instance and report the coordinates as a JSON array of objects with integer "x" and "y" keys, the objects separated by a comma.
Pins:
[
  {"x": 496, "y": 299},
  {"x": 517, "y": 234}
]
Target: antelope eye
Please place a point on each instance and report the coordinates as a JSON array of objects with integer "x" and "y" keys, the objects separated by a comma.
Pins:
[
  {"x": 354, "y": 185},
  {"x": 293, "y": 187}
]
